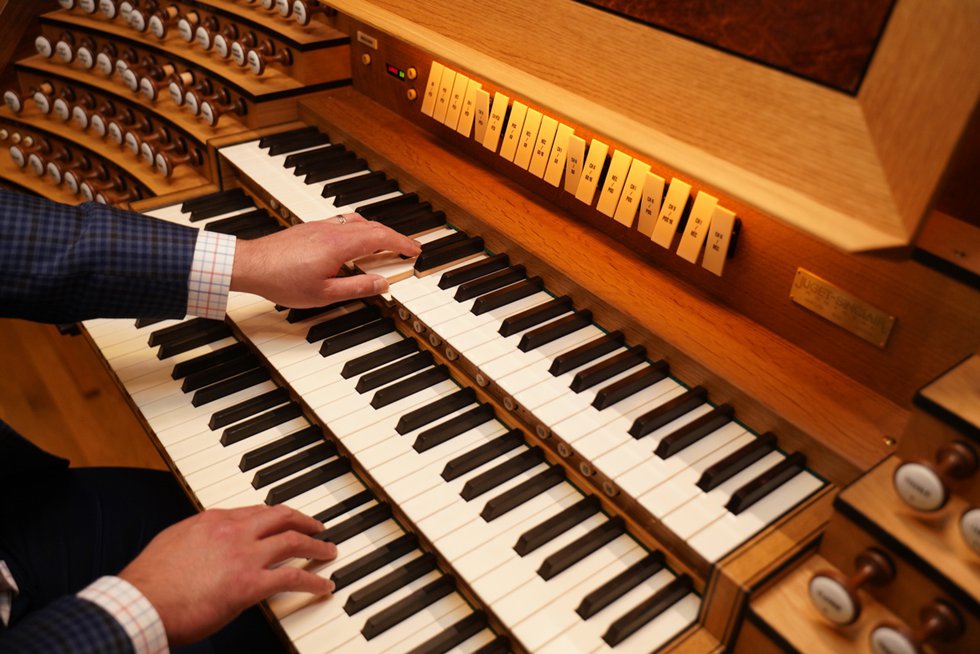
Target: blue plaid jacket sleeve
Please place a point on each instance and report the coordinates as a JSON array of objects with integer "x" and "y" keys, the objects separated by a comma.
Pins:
[
  {"x": 60, "y": 263},
  {"x": 67, "y": 626}
]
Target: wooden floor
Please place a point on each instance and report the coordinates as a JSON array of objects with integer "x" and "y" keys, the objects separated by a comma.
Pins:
[{"x": 56, "y": 391}]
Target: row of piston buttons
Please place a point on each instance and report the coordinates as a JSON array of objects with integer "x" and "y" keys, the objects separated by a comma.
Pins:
[
  {"x": 246, "y": 50},
  {"x": 76, "y": 172},
  {"x": 836, "y": 598},
  {"x": 924, "y": 485},
  {"x": 143, "y": 75},
  {"x": 155, "y": 146}
]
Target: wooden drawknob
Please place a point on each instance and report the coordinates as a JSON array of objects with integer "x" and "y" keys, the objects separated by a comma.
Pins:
[
  {"x": 940, "y": 621},
  {"x": 835, "y": 596},
  {"x": 923, "y": 485},
  {"x": 303, "y": 10}
]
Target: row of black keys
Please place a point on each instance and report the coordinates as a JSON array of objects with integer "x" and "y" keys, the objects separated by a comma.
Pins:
[
  {"x": 495, "y": 283},
  {"x": 206, "y": 368},
  {"x": 479, "y": 485}
]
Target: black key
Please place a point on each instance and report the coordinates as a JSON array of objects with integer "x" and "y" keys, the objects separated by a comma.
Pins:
[
  {"x": 483, "y": 454},
  {"x": 454, "y": 635},
  {"x": 631, "y": 384},
  {"x": 694, "y": 431},
  {"x": 239, "y": 222},
  {"x": 767, "y": 482},
  {"x": 557, "y": 524},
  {"x": 278, "y": 448},
  {"x": 721, "y": 471},
  {"x": 356, "y": 336},
  {"x": 345, "y": 506},
  {"x": 334, "y": 169},
  {"x": 211, "y": 198},
  {"x": 377, "y": 559},
  {"x": 218, "y": 209},
  {"x": 408, "y": 606},
  {"x": 581, "y": 547},
  {"x": 455, "y": 237},
  {"x": 488, "y": 283},
  {"x": 342, "y": 323},
  {"x": 417, "y": 223},
  {"x": 205, "y": 361},
  {"x": 555, "y": 330},
  {"x": 410, "y": 386},
  {"x": 366, "y": 193},
  {"x": 393, "y": 371},
  {"x": 356, "y": 524},
  {"x": 649, "y": 609},
  {"x": 474, "y": 270},
  {"x": 371, "y": 360},
  {"x": 259, "y": 232},
  {"x": 313, "y": 167},
  {"x": 180, "y": 331},
  {"x": 513, "y": 498},
  {"x": 587, "y": 353},
  {"x": 299, "y": 315},
  {"x": 504, "y": 296},
  {"x": 260, "y": 423},
  {"x": 354, "y": 183},
  {"x": 621, "y": 584},
  {"x": 271, "y": 139},
  {"x": 301, "y": 461},
  {"x": 495, "y": 476},
  {"x": 229, "y": 386},
  {"x": 535, "y": 316},
  {"x": 386, "y": 585},
  {"x": 385, "y": 207},
  {"x": 390, "y": 216},
  {"x": 220, "y": 372},
  {"x": 325, "y": 152},
  {"x": 299, "y": 485},
  {"x": 248, "y": 408},
  {"x": 499, "y": 645},
  {"x": 668, "y": 412},
  {"x": 298, "y": 142},
  {"x": 146, "y": 322},
  {"x": 209, "y": 334},
  {"x": 432, "y": 259},
  {"x": 452, "y": 428},
  {"x": 424, "y": 415},
  {"x": 600, "y": 372}
]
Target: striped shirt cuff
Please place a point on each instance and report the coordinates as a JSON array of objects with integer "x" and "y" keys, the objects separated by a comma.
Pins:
[
  {"x": 210, "y": 278},
  {"x": 134, "y": 613}
]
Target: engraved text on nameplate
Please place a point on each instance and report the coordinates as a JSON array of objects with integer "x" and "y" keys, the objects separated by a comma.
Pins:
[{"x": 841, "y": 308}]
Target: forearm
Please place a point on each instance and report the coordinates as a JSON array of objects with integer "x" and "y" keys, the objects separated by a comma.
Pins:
[{"x": 61, "y": 263}]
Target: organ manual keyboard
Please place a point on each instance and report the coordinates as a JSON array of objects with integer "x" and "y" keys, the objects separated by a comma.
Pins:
[{"x": 646, "y": 385}]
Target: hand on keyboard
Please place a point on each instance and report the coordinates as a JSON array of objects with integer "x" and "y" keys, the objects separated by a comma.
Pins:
[
  {"x": 202, "y": 572},
  {"x": 297, "y": 267}
]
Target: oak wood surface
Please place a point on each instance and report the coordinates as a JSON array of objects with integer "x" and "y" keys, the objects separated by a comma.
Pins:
[
  {"x": 56, "y": 392},
  {"x": 858, "y": 173}
]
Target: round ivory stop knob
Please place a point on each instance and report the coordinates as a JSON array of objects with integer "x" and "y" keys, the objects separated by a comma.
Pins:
[
  {"x": 940, "y": 621},
  {"x": 923, "y": 485},
  {"x": 835, "y": 596}
]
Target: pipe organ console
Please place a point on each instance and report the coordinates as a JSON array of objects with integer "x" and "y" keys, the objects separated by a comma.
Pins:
[{"x": 687, "y": 362}]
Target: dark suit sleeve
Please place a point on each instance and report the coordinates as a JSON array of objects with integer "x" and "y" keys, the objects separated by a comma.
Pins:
[
  {"x": 67, "y": 626},
  {"x": 60, "y": 263}
]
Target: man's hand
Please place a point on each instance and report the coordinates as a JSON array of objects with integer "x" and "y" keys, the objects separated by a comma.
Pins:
[
  {"x": 297, "y": 266},
  {"x": 202, "y": 572}
]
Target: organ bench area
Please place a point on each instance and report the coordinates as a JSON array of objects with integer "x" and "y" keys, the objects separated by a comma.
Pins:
[{"x": 650, "y": 385}]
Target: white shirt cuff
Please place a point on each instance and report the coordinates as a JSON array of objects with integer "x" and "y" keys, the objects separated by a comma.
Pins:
[
  {"x": 210, "y": 278},
  {"x": 134, "y": 613}
]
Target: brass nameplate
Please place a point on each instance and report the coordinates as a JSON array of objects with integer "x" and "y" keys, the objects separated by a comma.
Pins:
[{"x": 841, "y": 308}]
